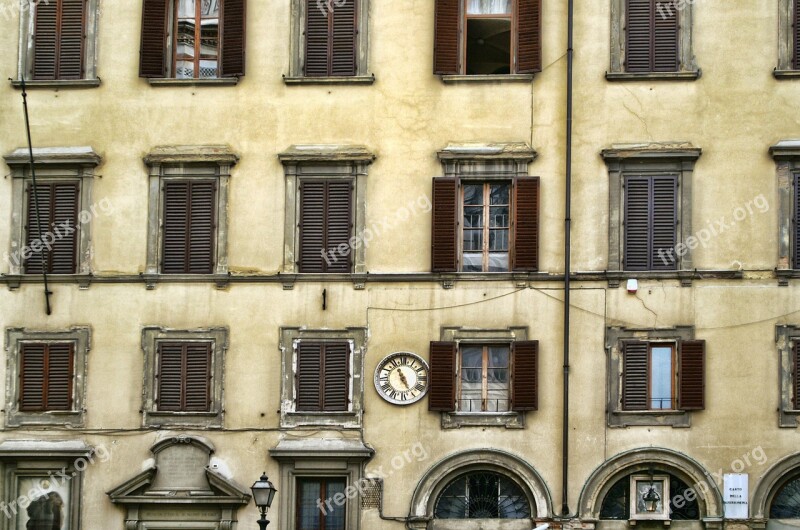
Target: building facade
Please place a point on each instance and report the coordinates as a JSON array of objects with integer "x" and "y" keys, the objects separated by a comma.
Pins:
[{"x": 285, "y": 236}]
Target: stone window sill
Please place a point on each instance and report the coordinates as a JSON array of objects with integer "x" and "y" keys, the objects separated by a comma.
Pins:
[
  {"x": 57, "y": 83},
  {"x": 14, "y": 280},
  {"x": 206, "y": 420},
  {"x": 786, "y": 74},
  {"x": 654, "y": 76},
  {"x": 503, "y": 78},
  {"x": 333, "y": 80},
  {"x": 509, "y": 420},
  {"x": 349, "y": 419},
  {"x": 219, "y": 81},
  {"x": 650, "y": 418},
  {"x": 62, "y": 418}
]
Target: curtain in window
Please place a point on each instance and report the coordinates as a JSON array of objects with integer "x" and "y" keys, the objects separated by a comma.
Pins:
[{"x": 489, "y": 7}]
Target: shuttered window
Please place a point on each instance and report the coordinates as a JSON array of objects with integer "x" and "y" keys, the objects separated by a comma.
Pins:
[
  {"x": 330, "y": 38},
  {"x": 208, "y": 39},
  {"x": 58, "y": 39},
  {"x": 189, "y": 227},
  {"x": 45, "y": 376},
  {"x": 486, "y": 37},
  {"x": 795, "y": 361},
  {"x": 483, "y": 378},
  {"x": 323, "y": 376},
  {"x": 796, "y": 33},
  {"x": 796, "y": 222},
  {"x": 184, "y": 376},
  {"x": 326, "y": 225},
  {"x": 651, "y": 36},
  {"x": 650, "y": 222},
  {"x": 55, "y": 227},
  {"x": 655, "y": 378},
  {"x": 498, "y": 229}
]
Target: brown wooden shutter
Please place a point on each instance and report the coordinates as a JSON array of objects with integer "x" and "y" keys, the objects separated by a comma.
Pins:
[
  {"x": 663, "y": 223},
  {"x": 58, "y": 208},
  {"x": 526, "y": 221},
  {"x": 691, "y": 379},
  {"x": 444, "y": 235},
  {"x": 796, "y": 224},
  {"x": 529, "y": 37},
  {"x": 637, "y": 223},
  {"x": 795, "y": 375},
  {"x": 336, "y": 382},
  {"x": 525, "y": 378},
  {"x": 152, "y": 54},
  {"x": 184, "y": 376},
  {"x": 197, "y": 395},
  {"x": 45, "y": 41},
  {"x": 651, "y": 36},
  {"x": 317, "y": 37},
  {"x": 70, "y": 50},
  {"x": 232, "y": 38},
  {"x": 308, "y": 379},
  {"x": 326, "y": 222},
  {"x": 189, "y": 227},
  {"x": 635, "y": 375},
  {"x": 665, "y": 37},
  {"x": 58, "y": 37},
  {"x": 170, "y": 377},
  {"x": 445, "y": 42},
  {"x": 442, "y": 394},
  {"x": 46, "y": 376},
  {"x": 343, "y": 39},
  {"x": 796, "y": 34}
]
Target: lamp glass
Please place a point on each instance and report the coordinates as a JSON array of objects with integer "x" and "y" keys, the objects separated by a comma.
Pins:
[{"x": 263, "y": 492}]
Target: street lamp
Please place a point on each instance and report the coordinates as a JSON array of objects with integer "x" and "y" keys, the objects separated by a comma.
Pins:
[
  {"x": 651, "y": 499},
  {"x": 263, "y": 493}
]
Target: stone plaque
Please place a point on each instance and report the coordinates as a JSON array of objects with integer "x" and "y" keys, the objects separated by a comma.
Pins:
[
  {"x": 179, "y": 513},
  {"x": 181, "y": 467}
]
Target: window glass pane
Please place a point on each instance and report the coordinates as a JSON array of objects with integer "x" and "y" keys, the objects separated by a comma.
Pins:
[
  {"x": 473, "y": 240},
  {"x": 184, "y": 69},
  {"x": 498, "y": 217},
  {"x": 498, "y": 240},
  {"x": 473, "y": 194},
  {"x": 473, "y": 216},
  {"x": 210, "y": 8},
  {"x": 497, "y": 379},
  {"x": 499, "y": 194},
  {"x": 661, "y": 377},
  {"x": 209, "y": 31},
  {"x": 482, "y": 495},
  {"x": 471, "y": 399},
  {"x": 498, "y": 262},
  {"x": 186, "y": 9},
  {"x": 472, "y": 262},
  {"x": 488, "y": 7},
  {"x": 334, "y": 519},
  {"x": 208, "y": 68},
  {"x": 488, "y": 46},
  {"x": 308, "y": 512}
]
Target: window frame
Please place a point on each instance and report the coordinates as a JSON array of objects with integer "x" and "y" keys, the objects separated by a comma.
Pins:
[
  {"x": 668, "y": 158},
  {"x": 320, "y": 162},
  {"x": 485, "y": 358},
  {"x": 80, "y": 338},
  {"x": 786, "y": 154},
  {"x": 209, "y": 163},
  {"x": 789, "y": 411},
  {"x": 173, "y": 35},
  {"x": 297, "y": 47},
  {"x": 27, "y": 15},
  {"x": 347, "y": 419},
  {"x": 152, "y": 337},
  {"x": 53, "y": 165},
  {"x": 616, "y": 414},
  {"x": 486, "y": 229},
  {"x": 788, "y": 57},
  {"x": 687, "y": 66},
  {"x": 322, "y": 481}
]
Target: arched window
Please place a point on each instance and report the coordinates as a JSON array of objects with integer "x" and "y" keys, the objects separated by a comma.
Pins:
[
  {"x": 616, "y": 503},
  {"x": 482, "y": 495},
  {"x": 786, "y": 503}
]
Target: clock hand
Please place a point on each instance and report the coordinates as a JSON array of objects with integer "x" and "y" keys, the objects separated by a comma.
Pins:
[{"x": 403, "y": 378}]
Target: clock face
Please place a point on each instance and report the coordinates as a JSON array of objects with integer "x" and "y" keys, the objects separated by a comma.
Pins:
[{"x": 402, "y": 378}]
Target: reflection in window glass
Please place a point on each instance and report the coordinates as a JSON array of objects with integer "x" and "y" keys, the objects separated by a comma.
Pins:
[
  {"x": 484, "y": 378},
  {"x": 311, "y": 496},
  {"x": 486, "y": 227},
  {"x": 661, "y": 377},
  {"x": 196, "y": 39}
]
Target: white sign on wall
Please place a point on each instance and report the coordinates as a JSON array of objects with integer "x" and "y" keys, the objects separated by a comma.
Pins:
[{"x": 736, "y": 495}]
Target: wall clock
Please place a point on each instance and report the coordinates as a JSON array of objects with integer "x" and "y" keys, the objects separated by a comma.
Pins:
[{"x": 402, "y": 378}]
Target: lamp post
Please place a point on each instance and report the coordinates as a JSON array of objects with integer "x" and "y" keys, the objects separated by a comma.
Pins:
[{"x": 263, "y": 493}]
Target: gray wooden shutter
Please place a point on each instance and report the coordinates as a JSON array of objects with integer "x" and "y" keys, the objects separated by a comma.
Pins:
[
  {"x": 444, "y": 235},
  {"x": 336, "y": 381},
  {"x": 525, "y": 376},
  {"x": 58, "y": 208},
  {"x": 526, "y": 222},
  {"x": 442, "y": 393},
  {"x": 445, "y": 40},
  {"x": 153, "y": 50},
  {"x": 232, "y": 37},
  {"x": 691, "y": 376},
  {"x": 635, "y": 375},
  {"x": 529, "y": 37},
  {"x": 308, "y": 378}
]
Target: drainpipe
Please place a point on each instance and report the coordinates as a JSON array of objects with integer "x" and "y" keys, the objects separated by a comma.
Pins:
[{"x": 567, "y": 248}]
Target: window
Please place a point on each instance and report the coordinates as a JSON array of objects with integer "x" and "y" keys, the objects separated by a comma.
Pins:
[
  {"x": 651, "y": 39},
  {"x": 786, "y": 154},
  {"x": 482, "y": 495},
  {"x": 311, "y": 494},
  {"x": 655, "y": 371},
  {"x": 330, "y": 40},
  {"x": 322, "y": 481},
  {"x": 323, "y": 376},
  {"x": 193, "y": 40},
  {"x": 188, "y": 223},
  {"x": 788, "y": 338},
  {"x": 487, "y": 37},
  {"x": 58, "y": 235},
  {"x": 788, "y": 39},
  {"x": 183, "y": 376},
  {"x": 650, "y": 202},
  {"x": 46, "y": 372},
  {"x": 680, "y": 507},
  {"x": 322, "y": 382},
  {"x": 485, "y": 212},
  {"x": 58, "y": 43},
  {"x": 786, "y": 502},
  {"x": 326, "y": 193},
  {"x": 472, "y": 375}
]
